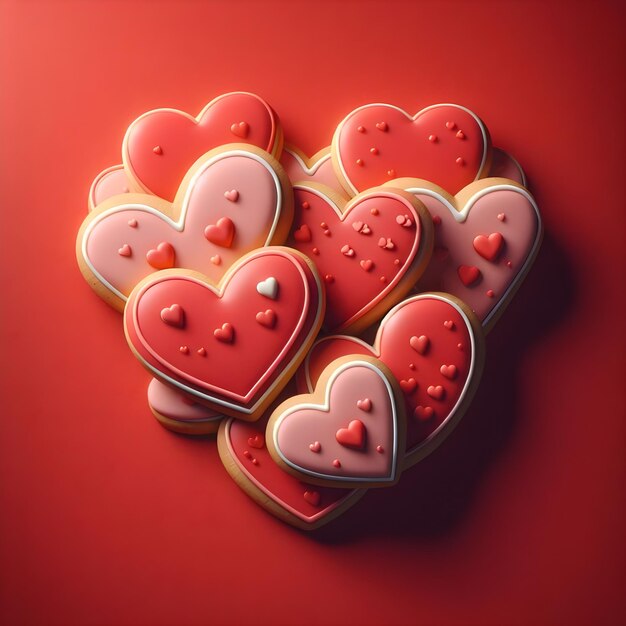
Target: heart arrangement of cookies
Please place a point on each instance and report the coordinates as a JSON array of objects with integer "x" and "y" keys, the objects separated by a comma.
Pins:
[{"x": 324, "y": 316}]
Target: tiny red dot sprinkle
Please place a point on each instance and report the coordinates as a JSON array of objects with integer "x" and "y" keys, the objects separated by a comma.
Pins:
[
  {"x": 411, "y": 366},
  {"x": 396, "y": 261},
  {"x": 459, "y": 346},
  {"x": 432, "y": 138},
  {"x": 132, "y": 223},
  {"x": 247, "y": 454},
  {"x": 157, "y": 150},
  {"x": 315, "y": 251},
  {"x": 306, "y": 205},
  {"x": 327, "y": 233},
  {"x": 360, "y": 129},
  {"x": 359, "y": 161},
  {"x": 460, "y": 135},
  {"x": 460, "y": 161},
  {"x": 337, "y": 463},
  {"x": 324, "y": 225},
  {"x": 509, "y": 264},
  {"x": 374, "y": 150},
  {"x": 383, "y": 279},
  {"x": 329, "y": 278},
  {"x": 374, "y": 211},
  {"x": 391, "y": 173},
  {"x": 490, "y": 293},
  {"x": 450, "y": 125},
  {"x": 255, "y": 462},
  {"x": 379, "y": 449}
]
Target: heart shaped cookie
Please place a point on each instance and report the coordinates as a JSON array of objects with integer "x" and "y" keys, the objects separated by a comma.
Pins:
[
  {"x": 433, "y": 344},
  {"x": 160, "y": 146},
  {"x": 245, "y": 456},
  {"x": 348, "y": 432},
  {"x": 444, "y": 143},
  {"x": 217, "y": 350},
  {"x": 110, "y": 182},
  {"x": 315, "y": 169},
  {"x": 235, "y": 199},
  {"x": 179, "y": 412},
  {"x": 379, "y": 241},
  {"x": 486, "y": 239}
]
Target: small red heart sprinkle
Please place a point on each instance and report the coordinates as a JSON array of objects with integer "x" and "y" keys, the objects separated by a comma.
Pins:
[
  {"x": 125, "y": 250},
  {"x": 353, "y": 436},
  {"x": 436, "y": 391},
  {"x": 225, "y": 334},
  {"x": 173, "y": 315},
  {"x": 157, "y": 150},
  {"x": 419, "y": 344},
  {"x": 364, "y": 405},
  {"x": 450, "y": 125},
  {"x": 241, "y": 129},
  {"x": 501, "y": 217},
  {"x": 347, "y": 251},
  {"x": 449, "y": 371},
  {"x": 391, "y": 173},
  {"x": 162, "y": 257},
  {"x": 423, "y": 412},
  {"x": 216, "y": 259},
  {"x": 303, "y": 234},
  {"x": 382, "y": 126},
  {"x": 201, "y": 351},
  {"x": 232, "y": 195},
  {"x": 132, "y": 223},
  {"x": 184, "y": 349},
  {"x": 367, "y": 264},
  {"x": 460, "y": 135},
  {"x": 489, "y": 247},
  {"x": 266, "y": 318},
  {"x": 221, "y": 233},
  {"x": 312, "y": 497},
  {"x": 449, "y": 324},
  {"x": 408, "y": 386},
  {"x": 468, "y": 274},
  {"x": 315, "y": 447},
  {"x": 256, "y": 442}
]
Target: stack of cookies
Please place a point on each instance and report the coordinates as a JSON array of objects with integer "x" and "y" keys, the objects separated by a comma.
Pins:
[{"x": 324, "y": 316}]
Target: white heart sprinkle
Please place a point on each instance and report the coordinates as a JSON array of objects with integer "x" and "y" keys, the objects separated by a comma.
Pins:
[{"x": 268, "y": 288}]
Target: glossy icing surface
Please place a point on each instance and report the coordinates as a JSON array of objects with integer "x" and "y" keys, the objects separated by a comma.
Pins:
[
  {"x": 445, "y": 144},
  {"x": 161, "y": 145},
  {"x": 481, "y": 252},
  {"x": 308, "y": 502},
  {"x": 177, "y": 406},
  {"x": 218, "y": 331},
  {"x": 449, "y": 342},
  {"x": 317, "y": 170},
  {"x": 365, "y": 246},
  {"x": 211, "y": 232},
  {"x": 351, "y": 436}
]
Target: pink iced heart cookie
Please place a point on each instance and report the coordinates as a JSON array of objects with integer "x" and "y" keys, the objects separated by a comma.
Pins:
[
  {"x": 327, "y": 438},
  {"x": 217, "y": 351},
  {"x": 379, "y": 241},
  {"x": 179, "y": 412},
  {"x": 315, "y": 169},
  {"x": 233, "y": 200},
  {"x": 486, "y": 239},
  {"x": 245, "y": 456},
  {"x": 444, "y": 143},
  {"x": 433, "y": 345},
  {"x": 161, "y": 145}
]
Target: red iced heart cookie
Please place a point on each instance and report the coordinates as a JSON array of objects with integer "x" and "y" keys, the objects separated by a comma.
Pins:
[
  {"x": 316, "y": 169},
  {"x": 203, "y": 229},
  {"x": 221, "y": 354},
  {"x": 325, "y": 437},
  {"x": 444, "y": 143},
  {"x": 179, "y": 412},
  {"x": 490, "y": 232},
  {"x": 503, "y": 165},
  {"x": 378, "y": 241},
  {"x": 161, "y": 145},
  {"x": 434, "y": 347},
  {"x": 298, "y": 503}
]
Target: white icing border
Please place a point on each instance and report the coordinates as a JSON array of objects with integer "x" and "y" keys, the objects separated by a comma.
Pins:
[
  {"x": 375, "y": 350},
  {"x": 461, "y": 216},
  {"x": 194, "y": 392},
  {"x": 353, "y": 189},
  {"x": 325, "y": 407},
  {"x": 179, "y": 225}
]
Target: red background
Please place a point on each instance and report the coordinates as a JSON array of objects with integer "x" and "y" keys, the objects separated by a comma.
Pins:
[{"x": 108, "y": 518}]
